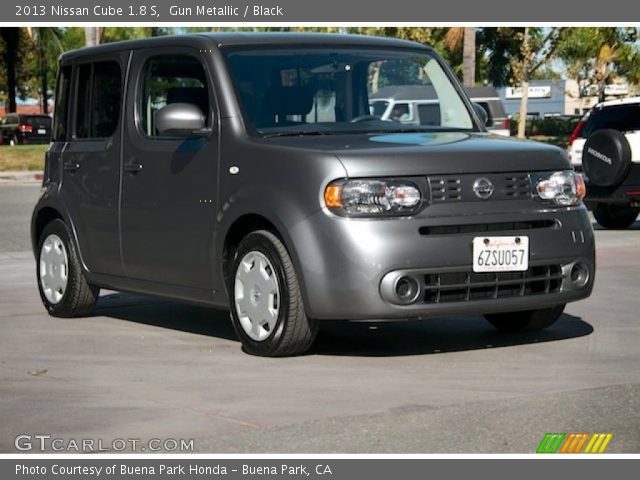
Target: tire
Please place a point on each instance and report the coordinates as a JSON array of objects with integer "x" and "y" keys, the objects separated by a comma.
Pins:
[
  {"x": 14, "y": 141},
  {"x": 606, "y": 158},
  {"x": 77, "y": 297},
  {"x": 615, "y": 216},
  {"x": 267, "y": 310},
  {"x": 529, "y": 320}
]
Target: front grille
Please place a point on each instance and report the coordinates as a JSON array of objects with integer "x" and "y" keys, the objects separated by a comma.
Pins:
[
  {"x": 467, "y": 286},
  {"x": 445, "y": 189},
  {"x": 517, "y": 186},
  {"x": 459, "y": 188},
  {"x": 488, "y": 227}
]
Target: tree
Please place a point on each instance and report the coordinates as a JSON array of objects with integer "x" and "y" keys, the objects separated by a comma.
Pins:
[
  {"x": 92, "y": 36},
  {"x": 464, "y": 37},
  {"x": 595, "y": 55},
  {"x": 11, "y": 39},
  {"x": 499, "y": 46},
  {"x": 45, "y": 38},
  {"x": 536, "y": 49}
]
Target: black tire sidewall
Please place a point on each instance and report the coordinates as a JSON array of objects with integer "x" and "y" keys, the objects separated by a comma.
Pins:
[
  {"x": 615, "y": 216},
  {"x": 59, "y": 228},
  {"x": 260, "y": 243}
]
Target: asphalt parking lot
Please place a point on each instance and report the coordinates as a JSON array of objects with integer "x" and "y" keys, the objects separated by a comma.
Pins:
[{"x": 143, "y": 368}]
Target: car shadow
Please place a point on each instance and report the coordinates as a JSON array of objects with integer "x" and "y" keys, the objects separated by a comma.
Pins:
[
  {"x": 434, "y": 336},
  {"x": 344, "y": 338},
  {"x": 160, "y": 312}
]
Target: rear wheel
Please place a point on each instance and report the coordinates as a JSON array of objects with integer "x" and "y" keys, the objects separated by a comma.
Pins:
[
  {"x": 63, "y": 287},
  {"x": 527, "y": 320},
  {"x": 615, "y": 216},
  {"x": 266, "y": 302},
  {"x": 13, "y": 141}
]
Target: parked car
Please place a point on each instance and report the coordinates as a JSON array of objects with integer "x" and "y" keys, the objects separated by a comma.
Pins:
[
  {"x": 606, "y": 145},
  {"x": 246, "y": 170},
  {"x": 20, "y": 129},
  {"x": 418, "y": 105}
]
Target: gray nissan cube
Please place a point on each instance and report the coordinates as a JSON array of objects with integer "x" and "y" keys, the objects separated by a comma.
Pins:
[{"x": 247, "y": 171}]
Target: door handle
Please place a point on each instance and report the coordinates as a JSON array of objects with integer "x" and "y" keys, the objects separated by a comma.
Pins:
[
  {"x": 133, "y": 167},
  {"x": 71, "y": 166}
]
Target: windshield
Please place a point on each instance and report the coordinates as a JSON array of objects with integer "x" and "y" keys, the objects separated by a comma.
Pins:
[{"x": 293, "y": 91}]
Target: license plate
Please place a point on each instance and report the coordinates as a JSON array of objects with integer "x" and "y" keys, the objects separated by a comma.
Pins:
[
  {"x": 42, "y": 131},
  {"x": 500, "y": 254}
]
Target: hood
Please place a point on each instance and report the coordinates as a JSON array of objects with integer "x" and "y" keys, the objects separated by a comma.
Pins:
[{"x": 406, "y": 154}]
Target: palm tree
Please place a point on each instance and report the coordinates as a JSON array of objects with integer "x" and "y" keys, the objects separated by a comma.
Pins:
[
  {"x": 465, "y": 36},
  {"x": 92, "y": 36},
  {"x": 51, "y": 37},
  {"x": 11, "y": 39}
]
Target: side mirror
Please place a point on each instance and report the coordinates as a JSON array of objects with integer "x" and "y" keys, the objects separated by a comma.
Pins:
[
  {"x": 482, "y": 113},
  {"x": 179, "y": 119}
]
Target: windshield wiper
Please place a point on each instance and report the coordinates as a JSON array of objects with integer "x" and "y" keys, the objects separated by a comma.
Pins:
[{"x": 296, "y": 133}]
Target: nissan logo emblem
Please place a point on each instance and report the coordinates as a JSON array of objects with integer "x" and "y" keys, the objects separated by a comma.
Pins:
[{"x": 483, "y": 188}]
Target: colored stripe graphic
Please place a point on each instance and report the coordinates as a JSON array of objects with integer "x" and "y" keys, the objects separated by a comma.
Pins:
[
  {"x": 574, "y": 442},
  {"x": 550, "y": 443},
  {"x": 598, "y": 443}
]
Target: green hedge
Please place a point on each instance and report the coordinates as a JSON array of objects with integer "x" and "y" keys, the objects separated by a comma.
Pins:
[{"x": 550, "y": 126}]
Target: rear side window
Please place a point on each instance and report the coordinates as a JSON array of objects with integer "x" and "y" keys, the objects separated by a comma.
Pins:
[
  {"x": 61, "y": 108},
  {"x": 170, "y": 79},
  {"x": 625, "y": 118},
  {"x": 99, "y": 90}
]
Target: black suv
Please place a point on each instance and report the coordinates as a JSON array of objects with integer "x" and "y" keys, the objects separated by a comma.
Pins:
[
  {"x": 21, "y": 129},
  {"x": 247, "y": 171},
  {"x": 606, "y": 145}
]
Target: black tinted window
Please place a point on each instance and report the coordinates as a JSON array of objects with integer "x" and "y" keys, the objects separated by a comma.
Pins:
[
  {"x": 625, "y": 118},
  {"x": 83, "y": 102},
  {"x": 38, "y": 121},
  {"x": 171, "y": 79},
  {"x": 61, "y": 109},
  {"x": 429, "y": 114},
  {"x": 98, "y": 100},
  {"x": 105, "y": 99}
]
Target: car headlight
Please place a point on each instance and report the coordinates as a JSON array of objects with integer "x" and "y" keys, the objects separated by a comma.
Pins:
[
  {"x": 363, "y": 197},
  {"x": 565, "y": 188}
]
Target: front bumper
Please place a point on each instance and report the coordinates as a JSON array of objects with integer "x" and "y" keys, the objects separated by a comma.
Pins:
[
  {"x": 625, "y": 194},
  {"x": 342, "y": 262}
]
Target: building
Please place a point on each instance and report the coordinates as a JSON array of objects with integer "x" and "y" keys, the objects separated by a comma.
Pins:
[{"x": 552, "y": 98}]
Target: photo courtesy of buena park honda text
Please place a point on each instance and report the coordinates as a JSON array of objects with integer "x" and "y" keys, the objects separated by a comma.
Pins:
[{"x": 289, "y": 239}]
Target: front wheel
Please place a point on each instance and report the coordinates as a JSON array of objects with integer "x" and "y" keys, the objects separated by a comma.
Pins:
[
  {"x": 63, "y": 287},
  {"x": 266, "y": 302},
  {"x": 615, "y": 216},
  {"x": 527, "y": 320}
]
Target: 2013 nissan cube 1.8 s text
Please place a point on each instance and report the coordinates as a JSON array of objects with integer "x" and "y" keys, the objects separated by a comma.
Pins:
[{"x": 247, "y": 170}]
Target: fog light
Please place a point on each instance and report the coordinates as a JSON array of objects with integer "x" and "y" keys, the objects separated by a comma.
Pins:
[
  {"x": 579, "y": 275},
  {"x": 407, "y": 289}
]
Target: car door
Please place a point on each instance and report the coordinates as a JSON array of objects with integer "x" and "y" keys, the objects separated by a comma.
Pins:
[
  {"x": 169, "y": 183},
  {"x": 91, "y": 160}
]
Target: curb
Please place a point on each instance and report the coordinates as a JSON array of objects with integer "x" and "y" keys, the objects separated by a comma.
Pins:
[{"x": 20, "y": 177}]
